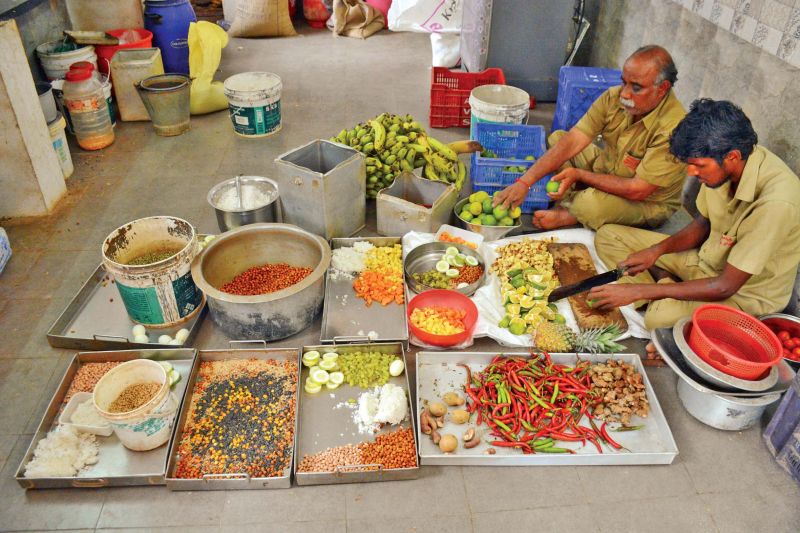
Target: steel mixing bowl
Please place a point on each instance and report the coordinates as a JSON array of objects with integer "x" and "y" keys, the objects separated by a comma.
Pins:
[
  {"x": 228, "y": 219},
  {"x": 490, "y": 233},
  {"x": 423, "y": 258}
]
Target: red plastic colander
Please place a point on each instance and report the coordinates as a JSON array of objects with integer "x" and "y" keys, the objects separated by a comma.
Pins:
[{"x": 733, "y": 341}]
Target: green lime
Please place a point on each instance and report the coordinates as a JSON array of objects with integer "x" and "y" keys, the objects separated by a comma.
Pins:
[
  {"x": 466, "y": 215},
  {"x": 506, "y": 221},
  {"x": 515, "y": 212},
  {"x": 481, "y": 196},
  {"x": 476, "y": 221},
  {"x": 530, "y": 158},
  {"x": 517, "y": 326},
  {"x": 487, "y": 205},
  {"x": 552, "y": 186},
  {"x": 489, "y": 220},
  {"x": 499, "y": 212},
  {"x": 476, "y": 208}
]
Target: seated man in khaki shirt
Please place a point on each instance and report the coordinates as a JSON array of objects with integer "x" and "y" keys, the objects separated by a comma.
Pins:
[
  {"x": 632, "y": 180},
  {"x": 742, "y": 249}
]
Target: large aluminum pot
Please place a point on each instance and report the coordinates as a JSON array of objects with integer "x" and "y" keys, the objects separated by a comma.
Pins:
[
  {"x": 721, "y": 411},
  {"x": 270, "y": 316}
]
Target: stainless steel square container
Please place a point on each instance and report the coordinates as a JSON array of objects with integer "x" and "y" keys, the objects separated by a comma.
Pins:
[
  {"x": 414, "y": 204},
  {"x": 323, "y": 188}
]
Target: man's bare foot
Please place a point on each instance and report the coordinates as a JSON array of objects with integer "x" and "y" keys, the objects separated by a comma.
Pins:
[{"x": 553, "y": 218}]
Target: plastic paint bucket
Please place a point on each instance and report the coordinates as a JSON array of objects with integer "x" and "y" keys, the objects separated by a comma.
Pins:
[
  {"x": 56, "y": 64},
  {"x": 498, "y": 104},
  {"x": 254, "y": 102},
  {"x": 161, "y": 294},
  {"x": 149, "y": 425},
  {"x": 60, "y": 145}
]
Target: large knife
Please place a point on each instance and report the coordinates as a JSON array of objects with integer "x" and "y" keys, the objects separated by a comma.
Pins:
[{"x": 582, "y": 286}]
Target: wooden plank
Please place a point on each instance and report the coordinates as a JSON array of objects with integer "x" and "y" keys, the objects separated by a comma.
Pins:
[{"x": 573, "y": 263}]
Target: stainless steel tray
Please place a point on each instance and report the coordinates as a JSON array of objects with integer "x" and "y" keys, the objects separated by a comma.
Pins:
[
  {"x": 345, "y": 315},
  {"x": 664, "y": 340},
  {"x": 96, "y": 319},
  {"x": 117, "y": 465},
  {"x": 437, "y": 373},
  {"x": 228, "y": 481},
  {"x": 322, "y": 425}
]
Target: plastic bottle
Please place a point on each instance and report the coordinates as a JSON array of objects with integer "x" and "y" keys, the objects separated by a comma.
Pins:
[
  {"x": 106, "y": 84},
  {"x": 83, "y": 97}
]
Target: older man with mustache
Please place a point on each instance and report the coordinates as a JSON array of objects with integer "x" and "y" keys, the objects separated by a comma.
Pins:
[{"x": 632, "y": 180}]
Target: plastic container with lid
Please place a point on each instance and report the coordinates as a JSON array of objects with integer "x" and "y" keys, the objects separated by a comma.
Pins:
[{"x": 88, "y": 109}]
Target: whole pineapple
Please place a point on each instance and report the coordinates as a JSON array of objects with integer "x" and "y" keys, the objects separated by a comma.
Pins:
[
  {"x": 598, "y": 340},
  {"x": 553, "y": 337}
]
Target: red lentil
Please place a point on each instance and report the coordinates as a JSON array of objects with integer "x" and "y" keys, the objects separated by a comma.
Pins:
[
  {"x": 468, "y": 274},
  {"x": 265, "y": 279}
]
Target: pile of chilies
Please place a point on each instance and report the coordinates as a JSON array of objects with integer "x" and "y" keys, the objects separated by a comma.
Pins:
[{"x": 532, "y": 403}]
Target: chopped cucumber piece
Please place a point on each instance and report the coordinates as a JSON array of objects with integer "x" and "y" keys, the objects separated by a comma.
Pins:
[
  {"x": 332, "y": 386},
  {"x": 452, "y": 273},
  {"x": 471, "y": 261},
  {"x": 338, "y": 377},
  {"x": 174, "y": 377},
  {"x": 319, "y": 375},
  {"x": 451, "y": 250},
  {"x": 330, "y": 356},
  {"x": 328, "y": 365},
  {"x": 312, "y": 388},
  {"x": 442, "y": 266}
]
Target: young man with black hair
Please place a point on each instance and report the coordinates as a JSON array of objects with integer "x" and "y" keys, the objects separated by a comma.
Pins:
[
  {"x": 742, "y": 249},
  {"x": 632, "y": 180}
]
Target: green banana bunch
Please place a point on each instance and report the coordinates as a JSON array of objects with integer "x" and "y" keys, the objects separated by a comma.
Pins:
[{"x": 441, "y": 160}]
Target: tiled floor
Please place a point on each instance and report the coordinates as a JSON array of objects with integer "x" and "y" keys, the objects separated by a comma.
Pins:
[{"x": 719, "y": 482}]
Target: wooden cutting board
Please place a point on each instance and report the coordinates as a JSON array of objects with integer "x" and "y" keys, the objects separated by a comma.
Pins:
[{"x": 573, "y": 264}]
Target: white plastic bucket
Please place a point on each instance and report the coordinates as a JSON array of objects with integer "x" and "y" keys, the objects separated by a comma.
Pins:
[
  {"x": 148, "y": 426},
  {"x": 56, "y": 64},
  {"x": 254, "y": 102},
  {"x": 498, "y": 104},
  {"x": 60, "y": 145},
  {"x": 161, "y": 294}
]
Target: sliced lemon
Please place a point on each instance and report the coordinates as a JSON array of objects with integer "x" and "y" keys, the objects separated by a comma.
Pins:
[
  {"x": 471, "y": 261},
  {"x": 442, "y": 266},
  {"x": 526, "y": 301},
  {"x": 336, "y": 378},
  {"x": 328, "y": 365},
  {"x": 312, "y": 388},
  {"x": 320, "y": 376}
]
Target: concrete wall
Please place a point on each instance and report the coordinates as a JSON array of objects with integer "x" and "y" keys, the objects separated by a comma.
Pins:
[
  {"x": 712, "y": 62},
  {"x": 39, "y": 21}
]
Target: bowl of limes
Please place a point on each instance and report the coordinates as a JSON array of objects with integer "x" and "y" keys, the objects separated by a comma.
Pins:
[{"x": 476, "y": 213}]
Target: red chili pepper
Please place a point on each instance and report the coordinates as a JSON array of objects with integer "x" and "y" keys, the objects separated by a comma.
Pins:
[{"x": 609, "y": 440}]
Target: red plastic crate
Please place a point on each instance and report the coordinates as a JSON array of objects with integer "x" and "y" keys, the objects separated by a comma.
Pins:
[{"x": 450, "y": 92}]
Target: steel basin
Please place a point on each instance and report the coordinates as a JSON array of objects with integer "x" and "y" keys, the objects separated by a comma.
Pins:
[
  {"x": 721, "y": 411},
  {"x": 270, "y": 316}
]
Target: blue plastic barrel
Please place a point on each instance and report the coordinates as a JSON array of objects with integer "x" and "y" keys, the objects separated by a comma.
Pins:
[{"x": 169, "y": 21}]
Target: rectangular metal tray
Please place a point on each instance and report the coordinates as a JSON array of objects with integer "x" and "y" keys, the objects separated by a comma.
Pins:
[
  {"x": 96, "y": 319},
  {"x": 322, "y": 425},
  {"x": 117, "y": 465},
  {"x": 228, "y": 481},
  {"x": 437, "y": 373},
  {"x": 346, "y": 316}
]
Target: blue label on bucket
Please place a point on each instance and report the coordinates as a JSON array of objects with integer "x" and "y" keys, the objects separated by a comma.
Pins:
[
  {"x": 141, "y": 303},
  {"x": 259, "y": 120},
  {"x": 187, "y": 295}
]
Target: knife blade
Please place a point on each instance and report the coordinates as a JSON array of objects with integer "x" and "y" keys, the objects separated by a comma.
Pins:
[{"x": 582, "y": 286}]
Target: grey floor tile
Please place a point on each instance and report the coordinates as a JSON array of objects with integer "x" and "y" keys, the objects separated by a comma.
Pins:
[
  {"x": 6, "y": 446},
  {"x": 748, "y": 511},
  {"x": 275, "y": 525},
  {"x": 401, "y": 499},
  {"x": 30, "y": 236},
  {"x": 17, "y": 272},
  {"x": 298, "y": 504},
  {"x": 147, "y": 507},
  {"x": 60, "y": 367},
  {"x": 22, "y": 385},
  {"x": 420, "y": 522},
  {"x": 685, "y": 514},
  {"x": 40, "y": 510},
  {"x": 25, "y": 323},
  {"x": 562, "y": 518},
  {"x": 58, "y": 275},
  {"x": 492, "y": 489},
  {"x": 176, "y": 529},
  {"x": 660, "y": 481}
]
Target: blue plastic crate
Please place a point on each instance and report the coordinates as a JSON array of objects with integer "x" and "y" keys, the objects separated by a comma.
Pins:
[
  {"x": 512, "y": 143},
  {"x": 578, "y": 88}
]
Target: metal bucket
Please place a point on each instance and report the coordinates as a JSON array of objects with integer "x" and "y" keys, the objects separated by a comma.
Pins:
[
  {"x": 231, "y": 216},
  {"x": 271, "y": 316},
  {"x": 160, "y": 294},
  {"x": 166, "y": 98}
]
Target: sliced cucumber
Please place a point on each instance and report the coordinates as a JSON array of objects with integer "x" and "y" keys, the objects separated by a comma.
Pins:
[
  {"x": 174, "y": 377},
  {"x": 452, "y": 273},
  {"x": 338, "y": 377},
  {"x": 319, "y": 375},
  {"x": 471, "y": 261},
  {"x": 328, "y": 365},
  {"x": 332, "y": 386},
  {"x": 312, "y": 388},
  {"x": 451, "y": 250},
  {"x": 330, "y": 356},
  {"x": 442, "y": 266},
  {"x": 166, "y": 365}
]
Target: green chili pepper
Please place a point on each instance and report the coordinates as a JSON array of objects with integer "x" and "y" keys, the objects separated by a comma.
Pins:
[
  {"x": 555, "y": 394},
  {"x": 502, "y": 425},
  {"x": 629, "y": 428},
  {"x": 553, "y": 450}
]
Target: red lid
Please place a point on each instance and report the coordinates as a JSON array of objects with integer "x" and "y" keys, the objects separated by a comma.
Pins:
[
  {"x": 78, "y": 74},
  {"x": 82, "y": 65}
]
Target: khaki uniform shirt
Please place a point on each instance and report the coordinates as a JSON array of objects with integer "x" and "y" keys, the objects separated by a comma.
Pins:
[
  {"x": 638, "y": 148},
  {"x": 757, "y": 230}
]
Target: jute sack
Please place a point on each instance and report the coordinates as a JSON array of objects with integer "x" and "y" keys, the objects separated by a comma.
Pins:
[
  {"x": 262, "y": 18},
  {"x": 354, "y": 18}
]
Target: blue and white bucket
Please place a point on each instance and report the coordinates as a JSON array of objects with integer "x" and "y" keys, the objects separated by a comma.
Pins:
[
  {"x": 149, "y": 426},
  {"x": 254, "y": 102}
]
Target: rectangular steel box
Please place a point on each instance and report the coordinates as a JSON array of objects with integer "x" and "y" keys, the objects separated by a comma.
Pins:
[
  {"x": 414, "y": 204},
  {"x": 323, "y": 188}
]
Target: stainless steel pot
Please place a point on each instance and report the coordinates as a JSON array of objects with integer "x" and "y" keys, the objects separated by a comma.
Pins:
[
  {"x": 270, "y": 316},
  {"x": 228, "y": 219},
  {"x": 729, "y": 413}
]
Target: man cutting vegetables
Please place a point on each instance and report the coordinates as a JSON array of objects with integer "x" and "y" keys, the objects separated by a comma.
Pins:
[
  {"x": 742, "y": 249},
  {"x": 632, "y": 180}
]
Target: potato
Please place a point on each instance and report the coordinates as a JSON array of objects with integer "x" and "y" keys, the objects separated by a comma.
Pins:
[
  {"x": 448, "y": 443},
  {"x": 453, "y": 399},
  {"x": 459, "y": 416},
  {"x": 437, "y": 409}
]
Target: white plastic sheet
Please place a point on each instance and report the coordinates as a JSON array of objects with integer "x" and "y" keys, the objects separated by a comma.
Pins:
[
  {"x": 426, "y": 16},
  {"x": 487, "y": 298}
]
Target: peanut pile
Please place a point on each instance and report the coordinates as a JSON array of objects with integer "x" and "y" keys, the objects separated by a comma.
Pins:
[
  {"x": 392, "y": 450},
  {"x": 87, "y": 376}
]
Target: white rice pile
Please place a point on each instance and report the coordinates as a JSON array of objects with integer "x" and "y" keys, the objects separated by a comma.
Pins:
[
  {"x": 63, "y": 453},
  {"x": 349, "y": 260}
]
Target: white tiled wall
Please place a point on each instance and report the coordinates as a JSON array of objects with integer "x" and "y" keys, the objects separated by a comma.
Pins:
[{"x": 773, "y": 25}]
